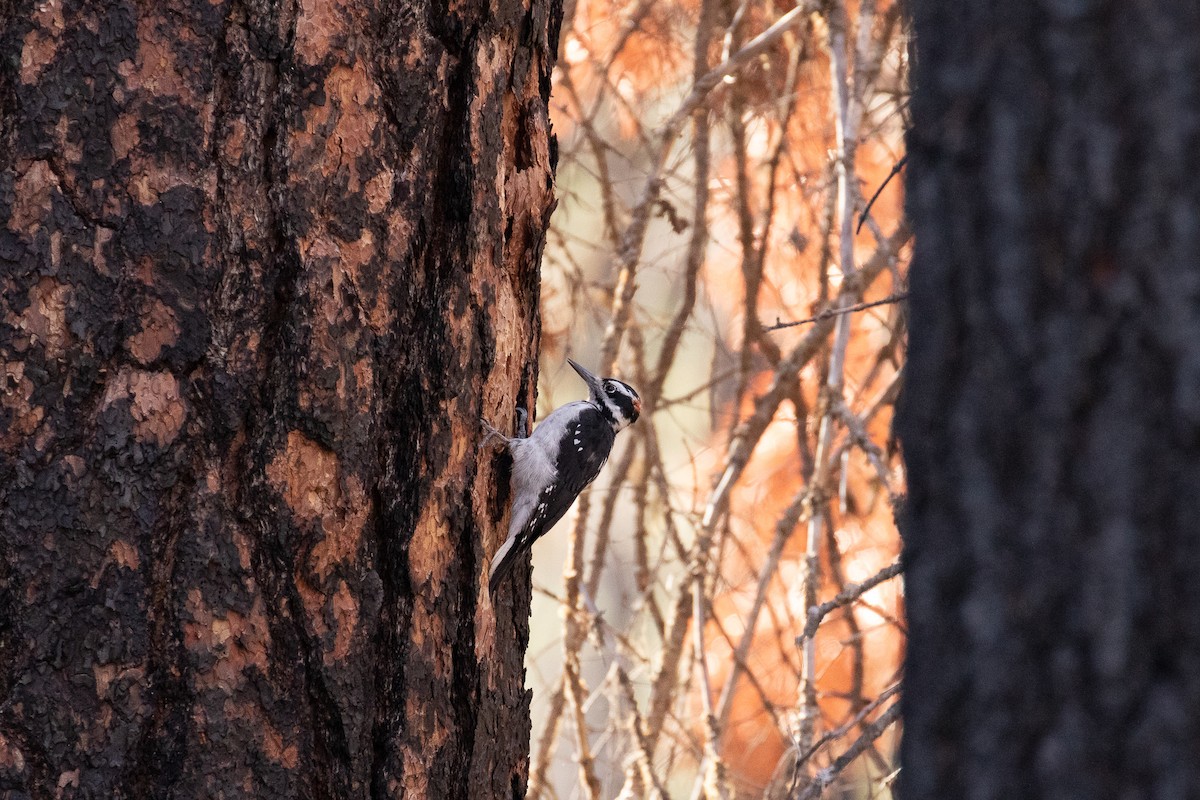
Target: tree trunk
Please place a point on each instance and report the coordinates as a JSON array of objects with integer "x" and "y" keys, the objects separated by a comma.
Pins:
[
  {"x": 264, "y": 266},
  {"x": 1052, "y": 402}
]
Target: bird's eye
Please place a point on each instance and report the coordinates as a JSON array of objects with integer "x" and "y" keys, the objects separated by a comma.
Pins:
[{"x": 610, "y": 387}]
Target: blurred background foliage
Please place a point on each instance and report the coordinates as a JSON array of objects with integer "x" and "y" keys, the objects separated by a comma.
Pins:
[{"x": 716, "y": 158}]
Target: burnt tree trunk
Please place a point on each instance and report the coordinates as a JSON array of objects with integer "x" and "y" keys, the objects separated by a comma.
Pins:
[
  {"x": 1051, "y": 412},
  {"x": 264, "y": 266}
]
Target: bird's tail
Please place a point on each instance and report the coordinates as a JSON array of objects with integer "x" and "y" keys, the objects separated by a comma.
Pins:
[{"x": 502, "y": 562}]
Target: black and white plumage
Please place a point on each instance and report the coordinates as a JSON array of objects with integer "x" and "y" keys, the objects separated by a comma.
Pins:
[{"x": 562, "y": 456}]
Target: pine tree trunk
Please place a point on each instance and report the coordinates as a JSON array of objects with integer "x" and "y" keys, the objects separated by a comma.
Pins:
[
  {"x": 264, "y": 267},
  {"x": 1052, "y": 402}
]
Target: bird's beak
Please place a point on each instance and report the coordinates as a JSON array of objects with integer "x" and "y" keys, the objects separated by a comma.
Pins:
[{"x": 591, "y": 380}]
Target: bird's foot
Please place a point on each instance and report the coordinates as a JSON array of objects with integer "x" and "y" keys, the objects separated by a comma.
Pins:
[{"x": 490, "y": 433}]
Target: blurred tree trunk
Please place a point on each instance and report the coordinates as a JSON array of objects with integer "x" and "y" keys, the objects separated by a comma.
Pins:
[
  {"x": 264, "y": 266},
  {"x": 1051, "y": 410}
]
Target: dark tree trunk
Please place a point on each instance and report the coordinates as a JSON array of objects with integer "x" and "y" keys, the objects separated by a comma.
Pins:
[
  {"x": 1051, "y": 414},
  {"x": 264, "y": 266}
]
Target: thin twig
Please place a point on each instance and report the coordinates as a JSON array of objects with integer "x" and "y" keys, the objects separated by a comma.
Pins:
[
  {"x": 858, "y": 435},
  {"x": 825, "y": 777},
  {"x": 857, "y": 719},
  {"x": 899, "y": 165},
  {"x": 747, "y": 53},
  {"x": 849, "y": 595},
  {"x": 831, "y": 312}
]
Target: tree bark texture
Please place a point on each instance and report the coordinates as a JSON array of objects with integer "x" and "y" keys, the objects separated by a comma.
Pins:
[
  {"x": 1051, "y": 410},
  {"x": 265, "y": 264}
]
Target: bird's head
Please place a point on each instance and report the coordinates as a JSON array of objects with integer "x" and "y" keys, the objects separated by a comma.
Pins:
[{"x": 618, "y": 401}]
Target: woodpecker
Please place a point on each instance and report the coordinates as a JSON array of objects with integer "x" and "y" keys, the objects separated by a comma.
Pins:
[{"x": 562, "y": 456}]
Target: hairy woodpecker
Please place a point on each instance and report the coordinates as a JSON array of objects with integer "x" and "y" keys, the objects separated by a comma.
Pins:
[{"x": 565, "y": 454}]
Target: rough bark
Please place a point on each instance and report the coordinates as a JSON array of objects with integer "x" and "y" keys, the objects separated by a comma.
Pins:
[
  {"x": 1051, "y": 411},
  {"x": 264, "y": 266}
]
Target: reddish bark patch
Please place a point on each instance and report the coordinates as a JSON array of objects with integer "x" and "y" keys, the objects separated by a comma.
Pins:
[
  {"x": 44, "y": 321},
  {"x": 125, "y": 136},
  {"x": 16, "y": 390},
  {"x": 155, "y": 404},
  {"x": 237, "y": 641},
  {"x": 308, "y": 477},
  {"x": 160, "y": 330},
  {"x": 32, "y": 194},
  {"x": 42, "y": 42},
  {"x": 11, "y": 757}
]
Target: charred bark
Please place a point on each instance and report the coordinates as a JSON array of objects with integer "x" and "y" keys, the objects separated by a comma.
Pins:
[
  {"x": 1051, "y": 409},
  {"x": 264, "y": 266}
]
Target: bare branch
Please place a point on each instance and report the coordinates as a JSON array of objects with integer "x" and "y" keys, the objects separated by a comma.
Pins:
[
  {"x": 832, "y": 312},
  {"x": 899, "y": 165},
  {"x": 851, "y": 593},
  {"x": 747, "y": 53},
  {"x": 825, "y": 777}
]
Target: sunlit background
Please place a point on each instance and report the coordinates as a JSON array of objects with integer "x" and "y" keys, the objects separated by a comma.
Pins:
[{"x": 708, "y": 192}]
